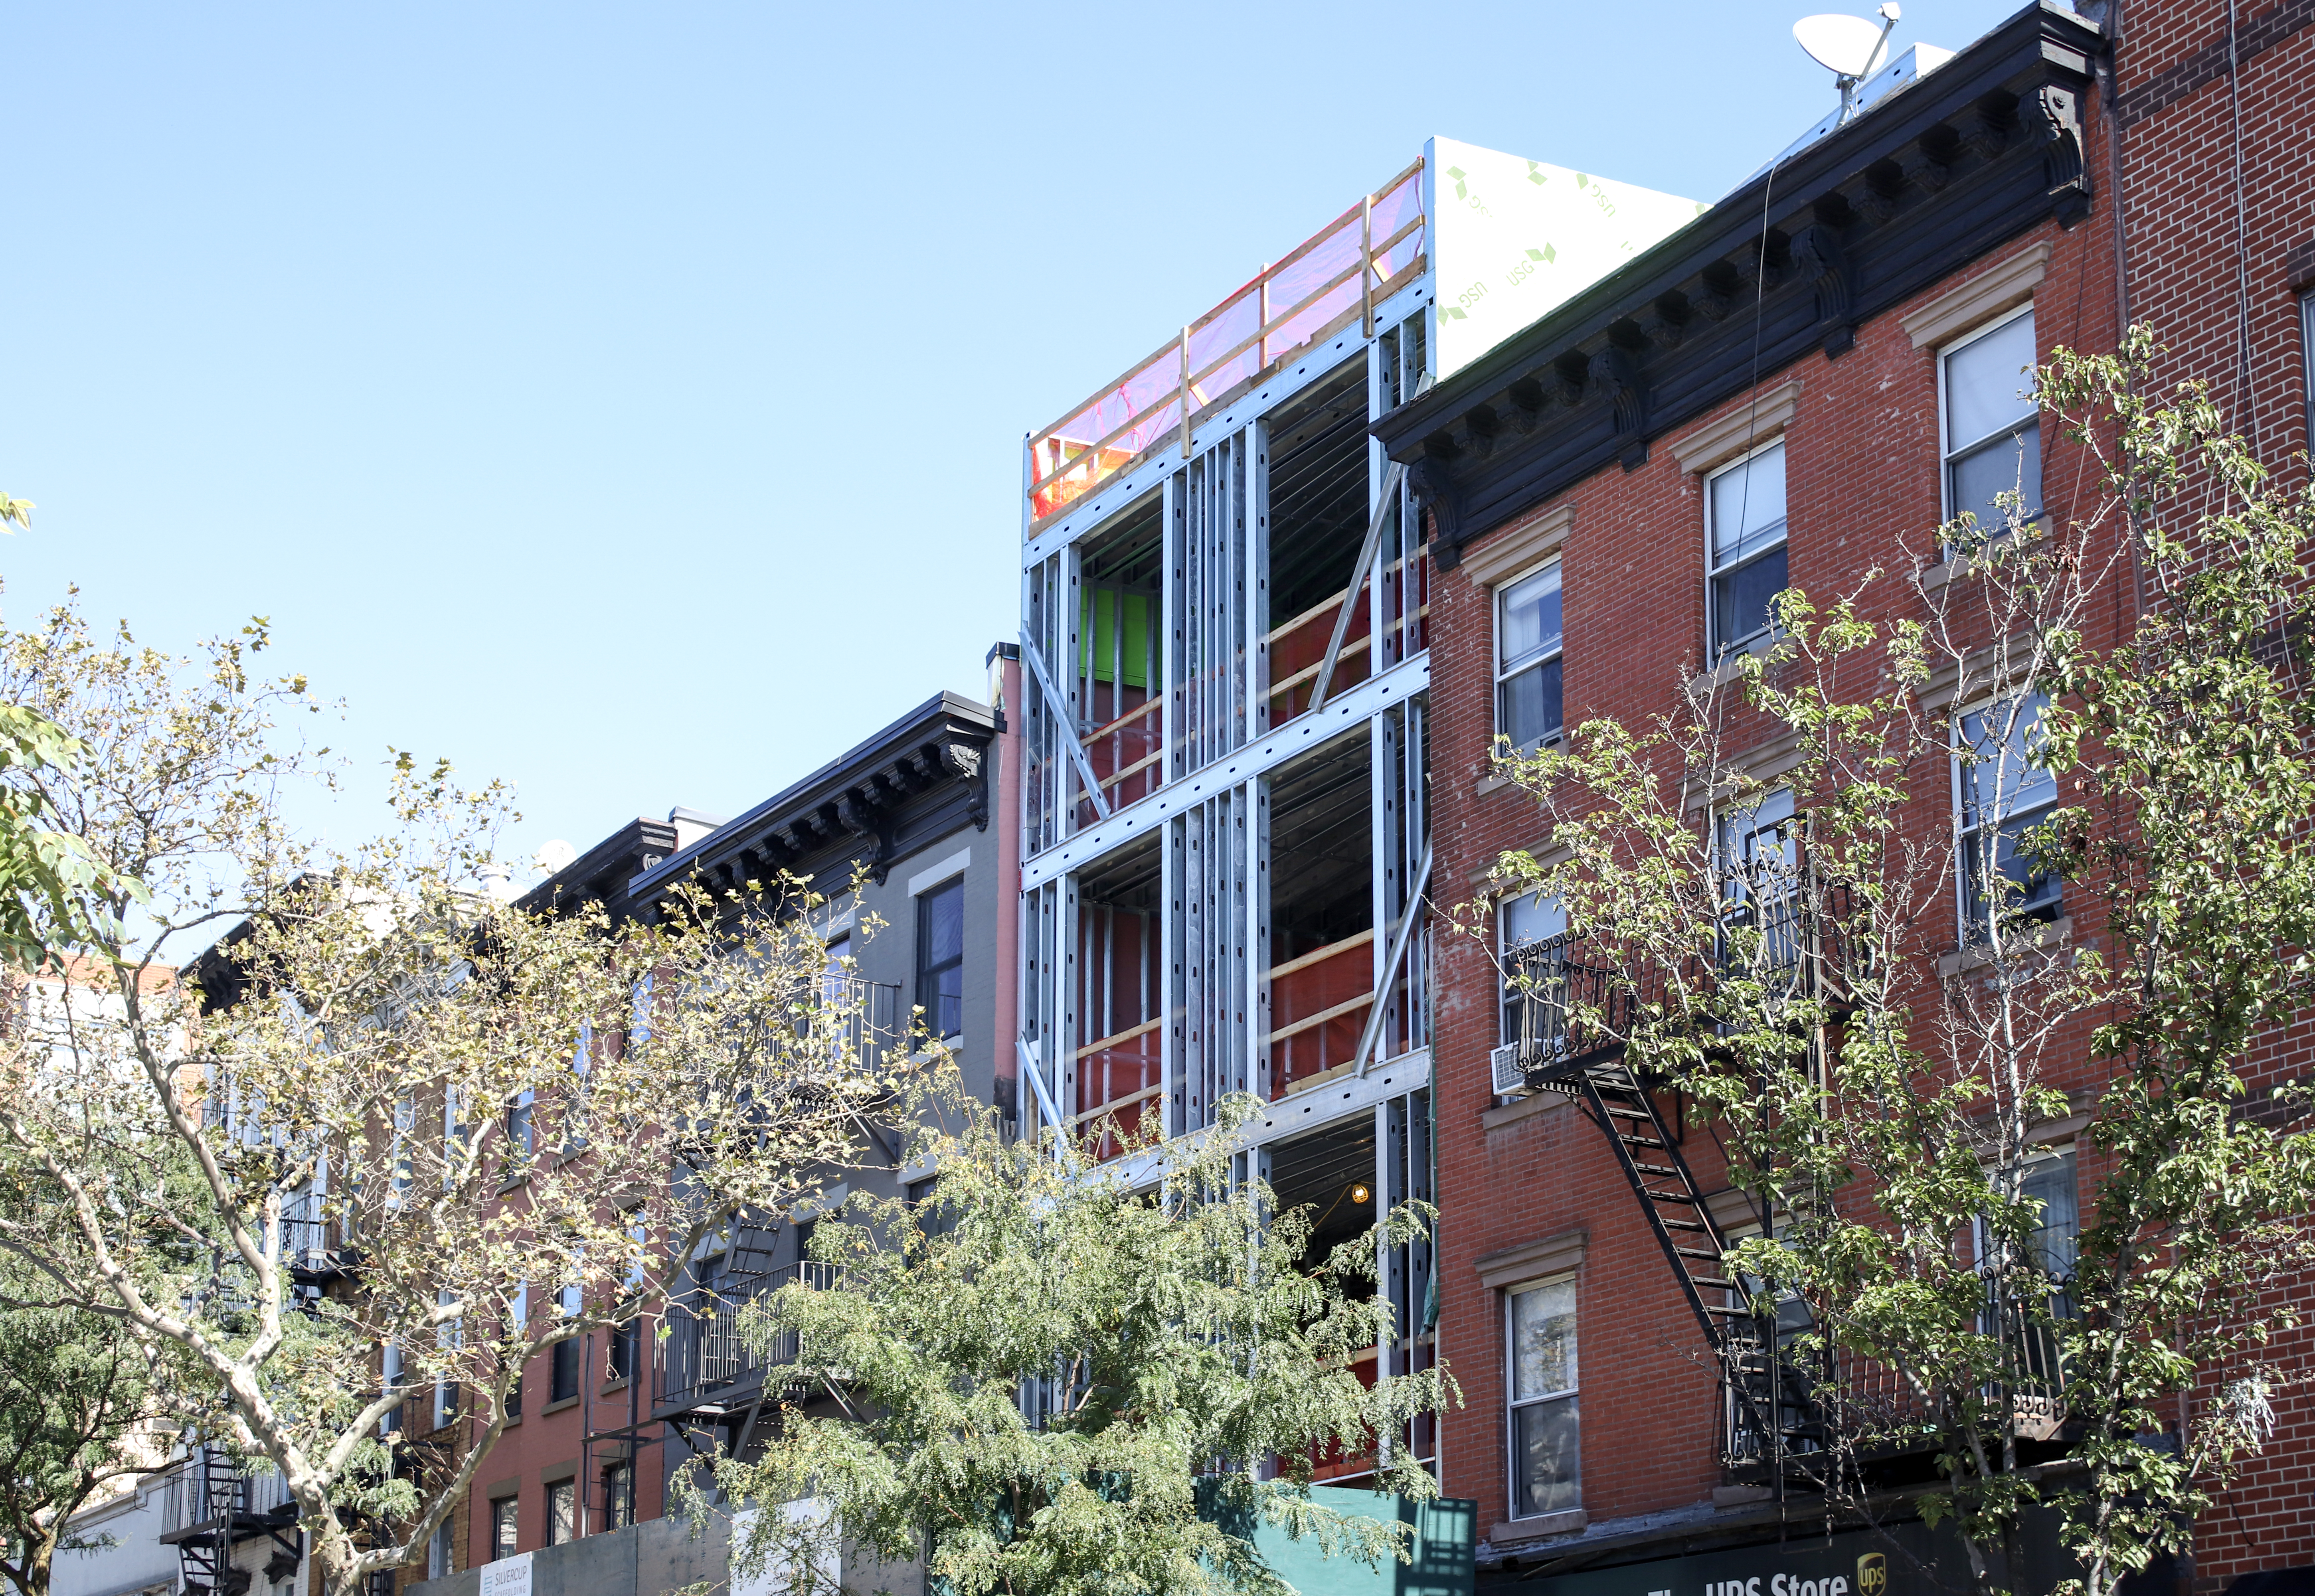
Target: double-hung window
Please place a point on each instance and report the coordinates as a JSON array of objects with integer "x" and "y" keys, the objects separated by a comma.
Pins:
[
  {"x": 1744, "y": 539},
  {"x": 1546, "y": 1434},
  {"x": 2307, "y": 362},
  {"x": 389, "y": 1370},
  {"x": 940, "y": 957},
  {"x": 442, "y": 1551},
  {"x": 618, "y": 1496},
  {"x": 504, "y": 1513},
  {"x": 1992, "y": 425},
  {"x": 1525, "y": 919},
  {"x": 562, "y": 1361},
  {"x": 2004, "y": 794},
  {"x": 1760, "y": 870},
  {"x": 1527, "y": 660},
  {"x": 562, "y": 1511}
]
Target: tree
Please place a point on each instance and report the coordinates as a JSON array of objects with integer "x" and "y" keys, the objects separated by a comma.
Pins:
[
  {"x": 411, "y": 1115},
  {"x": 1056, "y": 1381},
  {"x": 78, "y": 1409},
  {"x": 1882, "y": 1087}
]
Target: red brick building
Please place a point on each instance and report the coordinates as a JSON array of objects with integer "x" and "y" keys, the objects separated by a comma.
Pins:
[{"x": 1826, "y": 329}]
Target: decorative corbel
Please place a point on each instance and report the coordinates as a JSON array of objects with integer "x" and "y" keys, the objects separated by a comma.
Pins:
[
  {"x": 2052, "y": 116},
  {"x": 1479, "y": 429},
  {"x": 1434, "y": 481},
  {"x": 1526, "y": 396},
  {"x": 1616, "y": 377},
  {"x": 1988, "y": 131},
  {"x": 1816, "y": 251}
]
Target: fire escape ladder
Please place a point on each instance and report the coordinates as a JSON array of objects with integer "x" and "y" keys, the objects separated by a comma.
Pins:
[{"x": 1667, "y": 1190}]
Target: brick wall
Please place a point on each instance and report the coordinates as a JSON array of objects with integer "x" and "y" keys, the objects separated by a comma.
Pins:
[
  {"x": 2218, "y": 190},
  {"x": 1863, "y": 490}
]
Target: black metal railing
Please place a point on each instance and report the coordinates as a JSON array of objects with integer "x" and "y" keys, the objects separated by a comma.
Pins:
[
  {"x": 703, "y": 1352},
  {"x": 1819, "y": 1399},
  {"x": 207, "y": 1490}
]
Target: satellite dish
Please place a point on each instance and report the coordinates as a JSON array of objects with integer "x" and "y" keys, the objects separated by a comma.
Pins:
[
  {"x": 1842, "y": 45},
  {"x": 1851, "y": 47},
  {"x": 553, "y": 856}
]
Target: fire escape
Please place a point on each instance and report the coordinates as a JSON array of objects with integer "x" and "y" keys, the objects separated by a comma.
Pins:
[
  {"x": 211, "y": 1507},
  {"x": 1578, "y": 1005}
]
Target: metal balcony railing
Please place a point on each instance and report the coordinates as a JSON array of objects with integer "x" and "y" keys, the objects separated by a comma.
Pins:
[
  {"x": 206, "y": 1490},
  {"x": 1819, "y": 1401},
  {"x": 704, "y": 1353}
]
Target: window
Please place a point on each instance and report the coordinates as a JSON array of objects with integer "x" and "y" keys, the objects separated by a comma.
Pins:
[
  {"x": 522, "y": 1134},
  {"x": 618, "y": 1496},
  {"x": 623, "y": 1350},
  {"x": 2004, "y": 793},
  {"x": 518, "y": 1321},
  {"x": 441, "y": 1552},
  {"x": 2057, "y": 1230},
  {"x": 389, "y": 1366},
  {"x": 562, "y": 1512},
  {"x": 940, "y": 957},
  {"x": 1526, "y": 918},
  {"x": 502, "y": 1527},
  {"x": 1527, "y": 660},
  {"x": 837, "y": 979},
  {"x": 1992, "y": 428},
  {"x": 405, "y": 1121},
  {"x": 1759, "y": 861},
  {"x": 450, "y": 1338},
  {"x": 1546, "y": 1437},
  {"x": 1744, "y": 531},
  {"x": 562, "y": 1365},
  {"x": 2307, "y": 360}
]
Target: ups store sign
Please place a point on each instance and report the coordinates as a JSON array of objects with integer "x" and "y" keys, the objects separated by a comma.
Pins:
[{"x": 1897, "y": 1560}]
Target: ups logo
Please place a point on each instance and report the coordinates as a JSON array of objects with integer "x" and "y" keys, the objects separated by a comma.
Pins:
[{"x": 1873, "y": 1574}]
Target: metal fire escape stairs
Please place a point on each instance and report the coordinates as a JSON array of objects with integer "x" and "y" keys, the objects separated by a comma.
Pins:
[
  {"x": 1768, "y": 1430},
  {"x": 217, "y": 1517}
]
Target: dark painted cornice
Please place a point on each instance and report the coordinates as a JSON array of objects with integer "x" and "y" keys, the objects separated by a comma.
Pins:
[
  {"x": 1930, "y": 179},
  {"x": 601, "y": 874},
  {"x": 861, "y": 794}
]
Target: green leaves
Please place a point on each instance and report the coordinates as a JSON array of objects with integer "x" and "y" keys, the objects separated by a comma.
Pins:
[
  {"x": 1890, "y": 1085},
  {"x": 1057, "y": 1381}
]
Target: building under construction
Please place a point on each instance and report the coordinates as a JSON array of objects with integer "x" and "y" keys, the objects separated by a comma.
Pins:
[{"x": 1225, "y": 633}]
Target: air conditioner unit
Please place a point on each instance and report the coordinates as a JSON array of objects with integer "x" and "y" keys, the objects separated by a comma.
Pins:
[{"x": 1504, "y": 1061}]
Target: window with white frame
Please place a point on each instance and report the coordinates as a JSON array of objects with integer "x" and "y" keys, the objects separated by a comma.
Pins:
[
  {"x": 450, "y": 1337},
  {"x": 1992, "y": 431},
  {"x": 1529, "y": 917},
  {"x": 441, "y": 1552},
  {"x": 940, "y": 957},
  {"x": 1546, "y": 1452},
  {"x": 389, "y": 1369},
  {"x": 1744, "y": 543},
  {"x": 2003, "y": 793},
  {"x": 2307, "y": 361},
  {"x": 1528, "y": 660},
  {"x": 1759, "y": 866}
]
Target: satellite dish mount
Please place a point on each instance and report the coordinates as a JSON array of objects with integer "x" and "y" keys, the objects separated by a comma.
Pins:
[{"x": 1849, "y": 47}]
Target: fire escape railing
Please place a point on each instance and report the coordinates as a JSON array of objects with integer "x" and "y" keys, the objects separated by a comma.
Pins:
[
  {"x": 210, "y": 1505},
  {"x": 1780, "y": 1409}
]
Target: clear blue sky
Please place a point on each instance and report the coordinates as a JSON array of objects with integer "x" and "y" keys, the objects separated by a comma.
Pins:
[{"x": 627, "y": 402}]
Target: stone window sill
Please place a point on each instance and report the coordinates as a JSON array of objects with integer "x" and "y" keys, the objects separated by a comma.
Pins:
[
  {"x": 557, "y": 1407},
  {"x": 1536, "y": 1529},
  {"x": 1732, "y": 665},
  {"x": 2053, "y": 933},
  {"x": 1521, "y": 1108}
]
